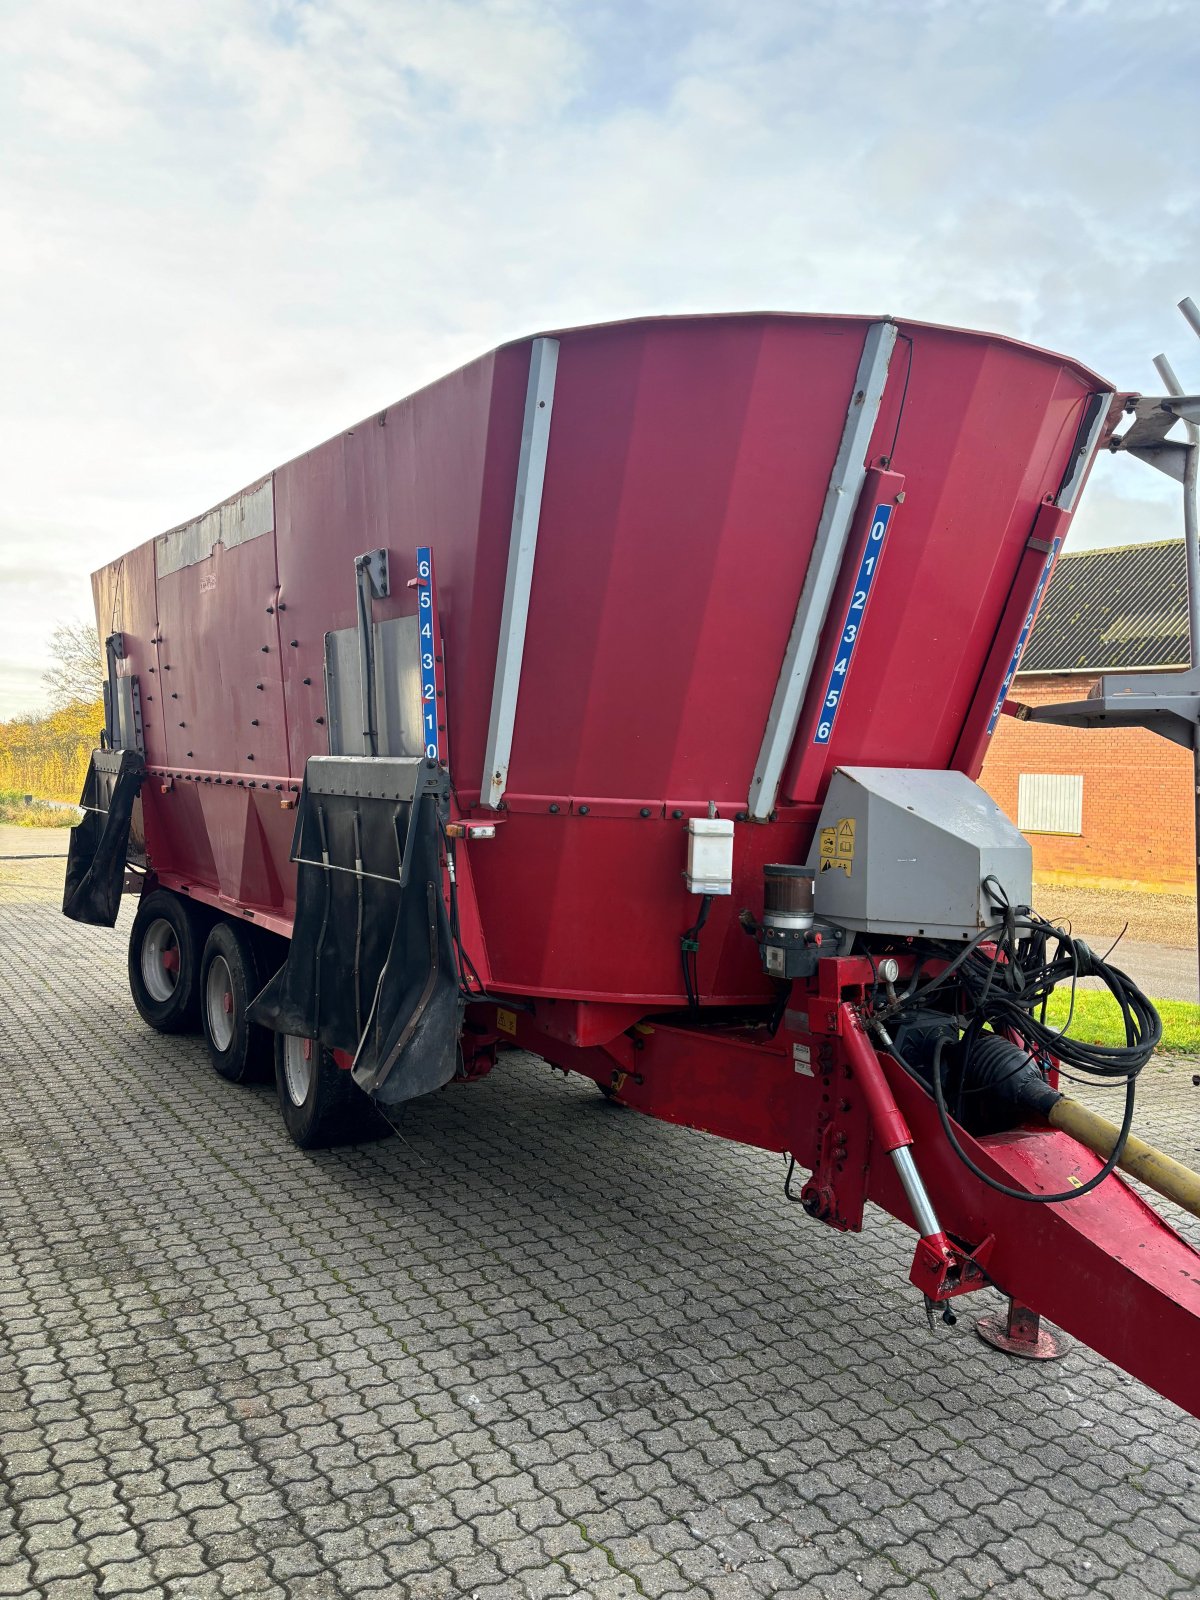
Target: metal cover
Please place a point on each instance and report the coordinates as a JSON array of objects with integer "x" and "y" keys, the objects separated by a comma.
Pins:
[
  {"x": 247, "y": 516},
  {"x": 397, "y": 690},
  {"x": 905, "y": 851},
  {"x": 396, "y": 778},
  {"x": 129, "y": 716}
]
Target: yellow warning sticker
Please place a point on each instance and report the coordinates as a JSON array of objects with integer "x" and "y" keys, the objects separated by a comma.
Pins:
[
  {"x": 836, "y": 847},
  {"x": 506, "y": 1021}
]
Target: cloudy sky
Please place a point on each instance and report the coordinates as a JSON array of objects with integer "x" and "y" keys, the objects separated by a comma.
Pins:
[{"x": 228, "y": 228}]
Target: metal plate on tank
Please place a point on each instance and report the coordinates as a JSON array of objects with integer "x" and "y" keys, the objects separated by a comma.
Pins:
[
  {"x": 246, "y": 516},
  {"x": 397, "y": 690}
]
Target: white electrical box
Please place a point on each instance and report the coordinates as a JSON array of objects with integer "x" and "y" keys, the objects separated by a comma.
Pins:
[{"x": 710, "y": 856}]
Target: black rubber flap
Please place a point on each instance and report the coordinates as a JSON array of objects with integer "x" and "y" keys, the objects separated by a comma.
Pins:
[
  {"x": 98, "y": 847},
  {"x": 370, "y": 968}
]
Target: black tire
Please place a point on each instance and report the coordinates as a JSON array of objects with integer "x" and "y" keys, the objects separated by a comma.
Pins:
[
  {"x": 164, "y": 976},
  {"x": 240, "y": 1051},
  {"x": 321, "y": 1103}
]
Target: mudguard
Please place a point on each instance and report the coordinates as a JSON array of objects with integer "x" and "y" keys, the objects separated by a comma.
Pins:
[
  {"x": 371, "y": 969},
  {"x": 99, "y": 846}
]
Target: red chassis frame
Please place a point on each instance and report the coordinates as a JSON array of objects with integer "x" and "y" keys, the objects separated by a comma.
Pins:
[{"x": 1105, "y": 1267}]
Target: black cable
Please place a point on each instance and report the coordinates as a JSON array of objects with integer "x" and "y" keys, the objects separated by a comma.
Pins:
[
  {"x": 903, "y": 398},
  {"x": 689, "y": 951},
  {"x": 1012, "y": 995},
  {"x": 465, "y": 968},
  {"x": 787, "y": 1182},
  {"x": 1003, "y": 1188},
  {"x": 1014, "y": 983},
  {"x": 1006, "y": 975}
]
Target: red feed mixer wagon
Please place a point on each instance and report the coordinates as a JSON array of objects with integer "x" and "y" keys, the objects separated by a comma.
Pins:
[{"x": 620, "y": 697}]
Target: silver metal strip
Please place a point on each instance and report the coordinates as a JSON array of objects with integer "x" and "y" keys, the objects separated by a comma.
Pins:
[
  {"x": 829, "y": 548},
  {"x": 527, "y": 509},
  {"x": 1069, "y": 492},
  {"x": 924, "y": 1215}
]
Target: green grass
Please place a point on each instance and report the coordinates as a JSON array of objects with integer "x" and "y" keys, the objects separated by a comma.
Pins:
[
  {"x": 1097, "y": 1020},
  {"x": 37, "y": 814}
]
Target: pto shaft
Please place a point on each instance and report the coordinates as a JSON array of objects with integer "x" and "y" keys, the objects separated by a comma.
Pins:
[{"x": 1157, "y": 1171}]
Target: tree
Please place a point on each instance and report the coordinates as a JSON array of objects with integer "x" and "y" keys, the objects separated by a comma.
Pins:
[{"x": 79, "y": 669}]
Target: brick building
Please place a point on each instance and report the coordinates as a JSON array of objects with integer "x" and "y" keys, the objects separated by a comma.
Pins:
[{"x": 1105, "y": 807}]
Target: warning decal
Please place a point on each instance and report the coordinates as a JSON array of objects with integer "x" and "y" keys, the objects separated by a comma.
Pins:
[{"x": 837, "y": 846}]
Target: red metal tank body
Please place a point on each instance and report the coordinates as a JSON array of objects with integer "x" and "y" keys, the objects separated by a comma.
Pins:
[{"x": 689, "y": 460}]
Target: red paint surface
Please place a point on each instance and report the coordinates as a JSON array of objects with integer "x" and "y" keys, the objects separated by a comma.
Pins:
[{"x": 688, "y": 462}]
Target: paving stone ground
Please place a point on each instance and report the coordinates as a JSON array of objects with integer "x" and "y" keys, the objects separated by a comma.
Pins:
[{"x": 537, "y": 1347}]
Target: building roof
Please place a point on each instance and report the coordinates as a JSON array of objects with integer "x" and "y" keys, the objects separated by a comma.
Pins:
[{"x": 1111, "y": 609}]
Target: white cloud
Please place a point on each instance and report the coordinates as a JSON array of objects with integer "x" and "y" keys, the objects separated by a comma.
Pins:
[{"x": 227, "y": 228}]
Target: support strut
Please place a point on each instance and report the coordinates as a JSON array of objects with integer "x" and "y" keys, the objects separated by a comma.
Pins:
[{"x": 1020, "y": 1333}]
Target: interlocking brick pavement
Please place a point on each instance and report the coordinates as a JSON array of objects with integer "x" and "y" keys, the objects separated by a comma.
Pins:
[{"x": 536, "y": 1347}]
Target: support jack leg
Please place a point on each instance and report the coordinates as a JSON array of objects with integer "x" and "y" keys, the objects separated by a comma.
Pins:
[{"x": 1020, "y": 1333}]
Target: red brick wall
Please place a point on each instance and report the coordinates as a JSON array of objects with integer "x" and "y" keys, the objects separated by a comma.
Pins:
[{"x": 1138, "y": 814}]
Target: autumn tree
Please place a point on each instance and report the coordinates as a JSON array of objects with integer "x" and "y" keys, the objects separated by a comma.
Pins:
[{"x": 77, "y": 676}]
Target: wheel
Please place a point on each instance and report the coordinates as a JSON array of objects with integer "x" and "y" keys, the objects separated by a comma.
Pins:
[
  {"x": 163, "y": 975},
  {"x": 229, "y": 979},
  {"x": 321, "y": 1103}
]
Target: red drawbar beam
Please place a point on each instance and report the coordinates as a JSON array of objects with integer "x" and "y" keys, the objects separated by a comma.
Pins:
[{"x": 1105, "y": 1267}]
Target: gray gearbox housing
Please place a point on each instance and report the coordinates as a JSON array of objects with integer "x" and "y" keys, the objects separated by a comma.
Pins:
[{"x": 904, "y": 851}]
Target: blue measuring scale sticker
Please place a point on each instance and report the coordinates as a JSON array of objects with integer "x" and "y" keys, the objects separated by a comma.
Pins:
[
  {"x": 1023, "y": 636},
  {"x": 427, "y": 632},
  {"x": 852, "y": 627}
]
